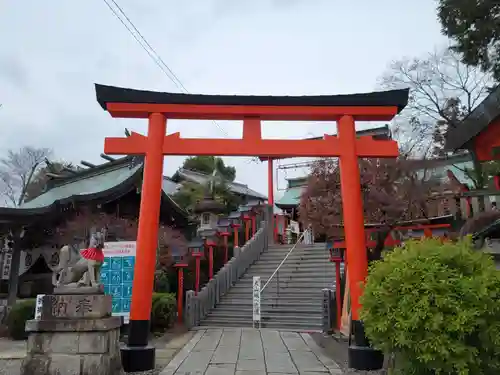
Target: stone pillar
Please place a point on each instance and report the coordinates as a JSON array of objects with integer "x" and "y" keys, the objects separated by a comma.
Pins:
[{"x": 76, "y": 335}]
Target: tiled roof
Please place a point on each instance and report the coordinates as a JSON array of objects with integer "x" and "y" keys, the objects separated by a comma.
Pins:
[
  {"x": 235, "y": 187},
  {"x": 99, "y": 181},
  {"x": 169, "y": 187},
  {"x": 85, "y": 186},
  {"x": 291, "y": 197}
]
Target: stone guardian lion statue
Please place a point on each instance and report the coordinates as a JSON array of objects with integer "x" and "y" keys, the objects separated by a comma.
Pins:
[{"x": 83, "y": 269}]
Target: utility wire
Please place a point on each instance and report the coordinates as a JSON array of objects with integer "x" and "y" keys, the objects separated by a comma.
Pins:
[
  {"x": 146, "y": 46},
  {"x": 172, "y": 75}
]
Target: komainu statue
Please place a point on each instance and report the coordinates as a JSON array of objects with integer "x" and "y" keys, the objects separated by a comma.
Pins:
[{"x": 76, "y": 270}]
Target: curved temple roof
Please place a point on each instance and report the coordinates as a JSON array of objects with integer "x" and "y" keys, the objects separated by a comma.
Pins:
[{"x": 111, "y": 94}]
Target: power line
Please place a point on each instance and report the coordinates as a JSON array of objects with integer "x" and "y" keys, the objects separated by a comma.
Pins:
[
  {"x": 175, "y": 79},
  {"x": 146, "y": 46},
  {"x": 158, "y": 60}
]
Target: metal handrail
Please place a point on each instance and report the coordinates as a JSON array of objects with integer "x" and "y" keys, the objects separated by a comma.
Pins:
[{"x": 284, "y": 259}]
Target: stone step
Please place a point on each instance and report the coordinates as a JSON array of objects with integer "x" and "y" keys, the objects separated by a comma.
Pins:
[
  {"x": 271, "y": 306},
  {"x": 243, "y": 302},
  {"x": 282, "y": 315},
  {"x": 312, "y": 268},
  {"x": 305, "y": 277},
  {"x": 290, "y": 326},
  {"x": 298, "y": 247},
  {"x": 292, "y": 287},
  {"x": 273, "y": 299},
  {"x": 329, "y": 276},
  {"x": 292, "y": 267},
  {"x": 313, "y": 279},
  {"x": 268, "y": 299},
  {"x": 283, "y": 288},
  {"x": 271, "y": 295},
  {"x": 285, "y": 250},
  {"x": 293, "y": 261},
  {"x": 294, "y": 256},
  {"x": 267, "y": 316},
  {"x": 287, "y": 271},
  {"x": 300, "y": 291},
  {"x": 329, "y": 279},
  {"x": 269, "y": 309}
]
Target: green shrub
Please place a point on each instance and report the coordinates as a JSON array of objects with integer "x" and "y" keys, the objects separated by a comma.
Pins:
[
  {"x": 163, "y": 311},
  {"x": 162, "y": 284},
  {"x": 22, "y": 311},
  {"x": 436, "y": 307}
]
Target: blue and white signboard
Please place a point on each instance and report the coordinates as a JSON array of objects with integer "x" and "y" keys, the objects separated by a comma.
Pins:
[{"x": 117, "y": 273}]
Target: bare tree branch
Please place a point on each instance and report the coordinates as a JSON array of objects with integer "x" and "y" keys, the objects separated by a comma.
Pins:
[
  {"x": 392, "y": 191},
  {"x": 17, "y": 170},
  {"x": 443, "y": 91}
]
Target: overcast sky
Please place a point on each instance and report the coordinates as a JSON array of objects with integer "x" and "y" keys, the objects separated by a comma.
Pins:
[{"x": 52, "y": 52}]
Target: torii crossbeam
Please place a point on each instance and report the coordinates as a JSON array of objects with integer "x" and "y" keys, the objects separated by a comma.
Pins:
[{"x": 158, "y": 107}]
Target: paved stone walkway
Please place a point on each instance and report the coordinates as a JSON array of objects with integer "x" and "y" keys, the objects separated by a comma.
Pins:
[{"x": 244, "y": 351}]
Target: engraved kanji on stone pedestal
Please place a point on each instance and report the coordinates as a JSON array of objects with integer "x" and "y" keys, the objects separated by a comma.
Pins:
[
  {"x": 76, "y": 306},
  {"x": 76, "y": 335}
]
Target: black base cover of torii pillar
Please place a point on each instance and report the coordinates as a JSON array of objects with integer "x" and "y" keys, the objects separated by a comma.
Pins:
[{"x": 361, "y": 356}]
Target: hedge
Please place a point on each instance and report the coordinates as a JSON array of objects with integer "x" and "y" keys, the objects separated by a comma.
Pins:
[
  {"x": 435, "y": 306},
  {"x": 163, "y": 311},
  {"x": 21, "y": 312}
]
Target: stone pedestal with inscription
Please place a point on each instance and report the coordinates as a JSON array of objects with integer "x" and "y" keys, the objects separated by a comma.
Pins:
[{"x": 75, "y": 334}]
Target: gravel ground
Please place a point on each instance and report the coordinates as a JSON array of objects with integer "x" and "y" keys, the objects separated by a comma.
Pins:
[{"x": 336, "y": 349}]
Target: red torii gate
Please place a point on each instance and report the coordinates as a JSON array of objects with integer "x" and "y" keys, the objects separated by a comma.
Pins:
[{"x": 158, "y": 107}]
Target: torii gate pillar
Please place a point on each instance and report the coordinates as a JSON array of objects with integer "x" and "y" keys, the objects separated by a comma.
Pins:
[
  {"x": 270, "y": 199},
  {"x": 147, "y": 241}
]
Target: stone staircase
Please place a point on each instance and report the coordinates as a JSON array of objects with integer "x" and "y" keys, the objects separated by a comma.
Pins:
[{"x": 297, "y": 305}]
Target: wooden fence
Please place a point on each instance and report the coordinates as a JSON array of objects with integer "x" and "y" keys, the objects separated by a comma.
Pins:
[{"x": 464, "y": 205}]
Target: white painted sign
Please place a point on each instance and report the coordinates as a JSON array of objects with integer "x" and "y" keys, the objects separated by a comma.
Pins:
[
  {"x": 7, "y": 265},
  {"x": 117, "y": 273},
  {"x": 38, "y": 306},
  {"x": 294, "y": 227},
  {"x": 256, "y": 299}
]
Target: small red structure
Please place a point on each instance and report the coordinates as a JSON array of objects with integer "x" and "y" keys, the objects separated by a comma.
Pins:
[
  {"x": 235, "y": 224},
  {"x": 479, "y": 133},
  {"x": 157, "y": 107},
  {"x": 336, "y": 256},
  {"x": 236, "y": 227},
  {"x": 224, "y": 226},
  {"x": 247, "y": 219},
  {"x": 180, "y": 264},
  {"x": 210, "y": 244},
  {"x": 196, "y": 249},
  {"x": 180, "y": 289}
]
